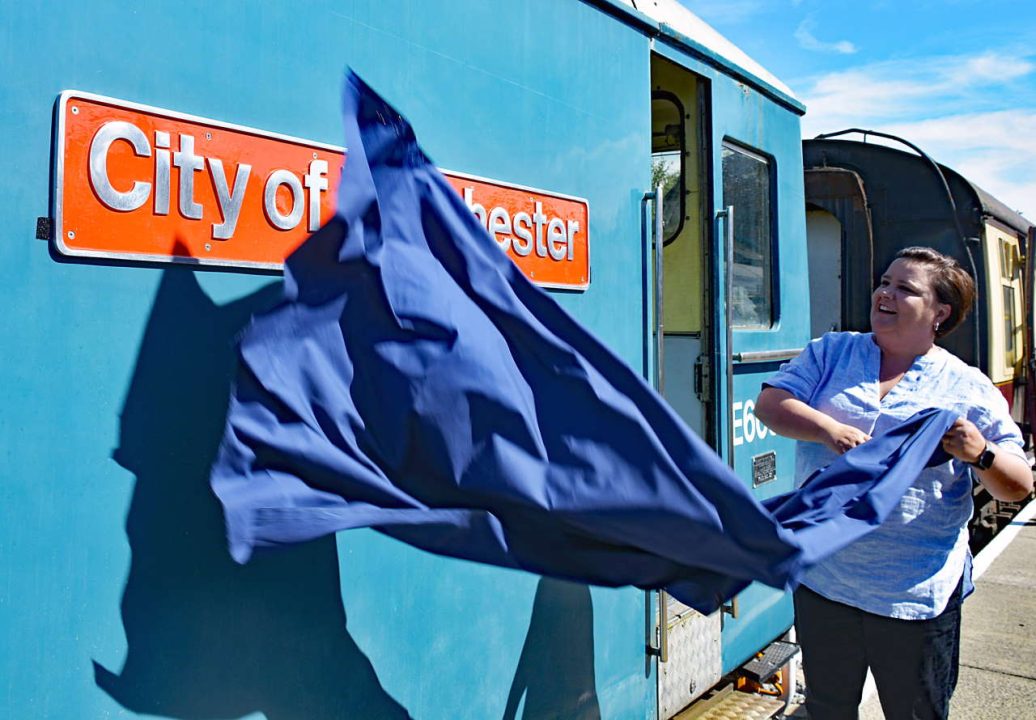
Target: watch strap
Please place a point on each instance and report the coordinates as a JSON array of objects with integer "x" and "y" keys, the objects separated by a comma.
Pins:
[{"x": 985, "y": 458}]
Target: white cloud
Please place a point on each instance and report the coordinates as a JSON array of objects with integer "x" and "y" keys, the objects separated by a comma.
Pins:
[
  {"x": 808, "y": 41},
  {"x": 916, "y": 88},
  {"x": 995, "y": 150},
  {"x": 1013, "y": 130},
  {"x": 964, "y": 111},
  {"x": 989, "y": 67}
]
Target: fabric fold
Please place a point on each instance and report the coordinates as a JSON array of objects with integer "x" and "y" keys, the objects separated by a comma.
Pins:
[{"x": 413, "y": 381}]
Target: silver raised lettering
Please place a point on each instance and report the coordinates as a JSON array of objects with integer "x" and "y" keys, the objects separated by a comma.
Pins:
[
  {"x": 276, "y": 179},
  {"x": 556, "y": 239},
  {"x": 188, "y": 164},
  {"x": 162, "y": 172},
  {"x": 480, "y": 211},
  {"x": 316, "y": 182},
  {"x": 573, "y": 228},
  {"x": 500, "y": 224},
  {"x": 229, "y": 200},
  {"x": 99, "y": 147},
  {"x": 540, "y": 220},
  {"x": 522, "y": 230}
]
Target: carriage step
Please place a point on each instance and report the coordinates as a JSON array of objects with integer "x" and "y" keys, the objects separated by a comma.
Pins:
[
  {"x": 770, "y": 660},
  {"x": 731, "y": 704}
]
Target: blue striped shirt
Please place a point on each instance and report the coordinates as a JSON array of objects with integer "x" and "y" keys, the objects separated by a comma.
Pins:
[{"x": 909, "y": 566}]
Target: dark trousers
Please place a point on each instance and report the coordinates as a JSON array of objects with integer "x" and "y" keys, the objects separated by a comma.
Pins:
[{"x": 914, "y": 662}]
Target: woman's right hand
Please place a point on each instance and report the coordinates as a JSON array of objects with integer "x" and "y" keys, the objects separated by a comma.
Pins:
[
  {"x": 841, "y": 438},
  {"x": 786, "y": 415}
]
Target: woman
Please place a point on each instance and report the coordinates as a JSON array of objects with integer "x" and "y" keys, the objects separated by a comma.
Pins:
[{"x": 891, "y": 601}]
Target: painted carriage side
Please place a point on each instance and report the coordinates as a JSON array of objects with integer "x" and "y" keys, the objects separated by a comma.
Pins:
[
  {"x": 113, "y": 546},
  {"x": 739, "y": 140},
  {"x": 119, "y": 599},
  {"x": 753, "y": 162}
]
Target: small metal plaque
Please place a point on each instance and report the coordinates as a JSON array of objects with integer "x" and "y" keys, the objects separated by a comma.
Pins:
[{"x": 764, "y": 468}]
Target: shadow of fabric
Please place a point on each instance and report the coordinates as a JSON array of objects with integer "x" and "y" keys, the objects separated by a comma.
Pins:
[
  {"x": 556, "y": 668},
  {"x": 206, "y": 637}
]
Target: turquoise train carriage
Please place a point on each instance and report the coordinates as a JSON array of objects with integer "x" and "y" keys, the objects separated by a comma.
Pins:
[{"x": 160, "y": 161}]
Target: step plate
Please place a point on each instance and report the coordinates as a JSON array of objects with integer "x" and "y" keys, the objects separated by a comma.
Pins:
[
  {"x": 776, "y": 655},
  {"x": 736, "y": 706}
]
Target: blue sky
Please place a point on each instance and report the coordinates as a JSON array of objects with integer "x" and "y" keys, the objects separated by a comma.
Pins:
[{"x": 956, "y": 77}]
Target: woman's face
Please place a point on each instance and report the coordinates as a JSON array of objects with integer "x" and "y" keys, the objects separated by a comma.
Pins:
[{"x": 904, "y": 305}]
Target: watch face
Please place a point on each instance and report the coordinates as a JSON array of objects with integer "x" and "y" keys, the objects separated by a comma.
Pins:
[{"x": 985, "y": 460}]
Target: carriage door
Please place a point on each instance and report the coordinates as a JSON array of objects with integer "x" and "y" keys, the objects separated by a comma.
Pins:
[
  {"x": 824, "y": 238},
  {"x": 689, "y": 642}
]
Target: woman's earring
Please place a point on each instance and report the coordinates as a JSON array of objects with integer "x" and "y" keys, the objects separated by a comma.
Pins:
[{"x": 936, "y": 328}]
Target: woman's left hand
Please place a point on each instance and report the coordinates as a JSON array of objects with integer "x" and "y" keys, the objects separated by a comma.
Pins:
[
  {"x": 964, "y": 441},
  {"x": 1009, "y": 478}
]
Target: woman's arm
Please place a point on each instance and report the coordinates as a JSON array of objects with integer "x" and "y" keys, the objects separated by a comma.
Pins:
[
  {"x": 783, "y": 413},
  {"x": 1009, "y": 478}
]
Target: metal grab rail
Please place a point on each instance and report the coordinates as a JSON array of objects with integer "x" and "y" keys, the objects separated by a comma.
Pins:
[
  {"x": 659, "y": 244},
  {"x": 766, "y": 355},
  {"x": 727, "y": 215},
  {"x": 657, "y": 241}
]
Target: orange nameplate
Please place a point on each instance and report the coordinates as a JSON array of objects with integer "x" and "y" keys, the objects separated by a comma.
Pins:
[
  {"x": 141, "y": 183},
  {"x": 545, "y": 234}
]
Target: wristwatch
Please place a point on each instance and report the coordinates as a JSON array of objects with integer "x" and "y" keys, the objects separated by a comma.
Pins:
[{"x": 985, "y": 458}]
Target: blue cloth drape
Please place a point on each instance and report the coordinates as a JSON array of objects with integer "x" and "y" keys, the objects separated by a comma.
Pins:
[{"x": 413, "y": 381}]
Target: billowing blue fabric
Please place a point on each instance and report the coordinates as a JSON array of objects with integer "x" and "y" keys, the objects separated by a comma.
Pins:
[
  {"x": 413, "y": 381},
  {"x": 856, "y": 492}
]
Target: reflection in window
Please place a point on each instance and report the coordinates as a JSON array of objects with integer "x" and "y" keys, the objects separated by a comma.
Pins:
[
  {"x": 667, "y": 153},
  {"x": 746, "y": 186}
]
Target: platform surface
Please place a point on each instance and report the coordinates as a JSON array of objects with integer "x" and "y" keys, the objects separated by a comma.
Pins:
[{"x": 998, "y": 639}]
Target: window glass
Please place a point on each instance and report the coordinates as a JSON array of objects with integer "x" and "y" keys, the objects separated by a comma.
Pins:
[
  {"x": 1006, "y": 258},
  {"x": 667, "y": 154},
  {"x": 1010, "y": 279},
  {"x": 1010, "y": 322},
  {"x": 746, "y": 186}
]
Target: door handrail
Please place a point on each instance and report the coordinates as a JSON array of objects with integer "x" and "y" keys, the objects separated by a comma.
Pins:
[{"x": 766, "y": 355}]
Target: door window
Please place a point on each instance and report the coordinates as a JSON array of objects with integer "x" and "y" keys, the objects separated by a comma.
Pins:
[
  {"x": 747, "y": 185},
  {"x": 667, "y": 160}
]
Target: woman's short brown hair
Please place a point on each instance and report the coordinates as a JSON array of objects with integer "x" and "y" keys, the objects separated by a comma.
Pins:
[{"x": 952, "y": 284}]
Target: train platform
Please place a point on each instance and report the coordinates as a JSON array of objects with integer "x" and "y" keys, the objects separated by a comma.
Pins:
[{"x": 998, "y": 637}]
